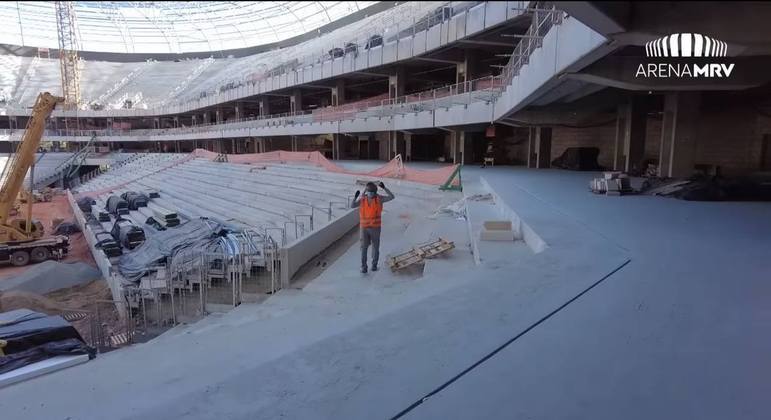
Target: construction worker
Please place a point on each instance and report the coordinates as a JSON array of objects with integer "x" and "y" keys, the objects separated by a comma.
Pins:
[{"x": 370, "y": 208}]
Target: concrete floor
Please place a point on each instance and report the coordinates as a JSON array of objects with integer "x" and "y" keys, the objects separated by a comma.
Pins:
[{"x": 640, "y": 307}]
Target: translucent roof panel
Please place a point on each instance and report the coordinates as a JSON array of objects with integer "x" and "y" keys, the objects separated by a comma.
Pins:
[{"x": 170, "y": 26}]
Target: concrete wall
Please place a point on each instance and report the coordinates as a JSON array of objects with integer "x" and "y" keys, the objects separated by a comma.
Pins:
[
  {"x": 731, "y": 138},
  {"x": 296, "y": 254},
  {"x": 603, "y": 138}
]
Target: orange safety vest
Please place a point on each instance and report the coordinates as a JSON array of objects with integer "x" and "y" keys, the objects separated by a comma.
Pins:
[{"x": 369, "y": 212}]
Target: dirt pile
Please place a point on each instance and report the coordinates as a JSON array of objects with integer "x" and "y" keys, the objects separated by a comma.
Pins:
[{"x": 49, "y": 276}]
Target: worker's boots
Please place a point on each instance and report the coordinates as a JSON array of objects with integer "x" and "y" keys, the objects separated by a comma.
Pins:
[
  {"x": 364, "y": 269},
  {"x": 374, "y": 267}
]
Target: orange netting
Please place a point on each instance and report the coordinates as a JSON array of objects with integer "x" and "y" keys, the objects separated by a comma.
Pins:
[{"x": 393, "y": 169}]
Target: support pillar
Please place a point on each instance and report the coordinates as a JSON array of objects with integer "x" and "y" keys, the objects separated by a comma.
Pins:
[
  {"x": 619, "y": 145},
  {"x": 544, "y": 147},
  {"x": 539, "y": 147},
  {"x": 264, "y": 106},
  {"x": 296, "y": 101},
  {"x": 396, "y": 84},
  {"x": 338, "y": 93},
  {"x": 678, "y": 134},
  {"x": 238, "y": 109},
  {"x": 218, "y": 116},
  {"x": 461, "y": 147},
  {"x": 408, "y": 147},
  {"x": 634, "y": 143}
]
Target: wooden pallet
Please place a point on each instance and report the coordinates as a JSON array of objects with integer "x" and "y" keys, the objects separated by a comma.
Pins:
[
  {"x": 419, "y": 253},
  {"x": 405, "y": 260},
  {"x": 432, "y": 249}
]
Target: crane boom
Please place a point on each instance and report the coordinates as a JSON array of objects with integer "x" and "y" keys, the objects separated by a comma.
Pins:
[{"x": 21, "y": 162}]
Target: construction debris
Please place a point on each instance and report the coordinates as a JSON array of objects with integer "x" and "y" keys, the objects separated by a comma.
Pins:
[
  {"x": 419, "y": 253},
  {"x": 612, "y": 183},
  {"x": 497, "y": 231},
  {"x": 66, "y": 228}
]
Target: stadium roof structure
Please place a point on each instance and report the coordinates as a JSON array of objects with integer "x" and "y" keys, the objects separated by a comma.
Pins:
[{"x": 170, "y": 26}]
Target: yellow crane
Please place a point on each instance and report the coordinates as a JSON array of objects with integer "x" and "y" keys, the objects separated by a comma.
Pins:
[{"x": 21, "y": 240}]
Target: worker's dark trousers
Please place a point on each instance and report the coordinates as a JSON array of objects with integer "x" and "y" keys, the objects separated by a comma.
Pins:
[{"x": 370, "y": 235}]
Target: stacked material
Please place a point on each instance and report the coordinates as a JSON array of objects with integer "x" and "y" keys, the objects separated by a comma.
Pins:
[
  {"x": 117, "y": 206},
  {"x": 612, "y": 183},
  {"x": 108, "y": 244},
  {"x": 135, "y": 200},
  {"x": 162, "y": 215},
  {"x": 127, "y": 234}
]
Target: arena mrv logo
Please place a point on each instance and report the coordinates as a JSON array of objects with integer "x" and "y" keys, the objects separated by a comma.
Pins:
[{"x": 685, "y": 55}]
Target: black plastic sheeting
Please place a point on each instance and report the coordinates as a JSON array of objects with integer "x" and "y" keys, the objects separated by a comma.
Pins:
[
  {"x": 85, "y": 204},
  {"x": 196, "y": 234},
  {"x": 66, "y": 228},
  {"x": 115, "y": 204},
  {"x": 135, "y": 200},
  {"x": 578, "y": 159},
  {"x": 34, "y": 336}
]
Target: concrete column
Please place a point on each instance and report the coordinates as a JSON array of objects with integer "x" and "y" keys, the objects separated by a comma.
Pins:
[
  {"x": 678, "y": 134},
  {"x": 473, "y": 65},
  {"x": 531, "y": 149},
  {"x": 408, "y": 146},
  {"x": 396, "y": 84},
  {"x": 195, "y": 120},
  {"x": 264, "y": 106},
  {"x": 218, "y": 116},
  {"x": 207, "y": 117},
  {"x": 296, "y": 101},
  {"x": 635, "y": 135},
  {"x": 461, "y": 147},
  {"x": 338, "y": 93},
  {"x": 238, "y": 109},
  {"x": 629, "y": 146},
  {"x": 460, "y": 72},
  {"x": 539, "y": 147},
  {"x": 619, "y": 153}
]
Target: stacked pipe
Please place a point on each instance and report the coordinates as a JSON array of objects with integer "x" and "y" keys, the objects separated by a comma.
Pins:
[{"x": 127, "y": 234}]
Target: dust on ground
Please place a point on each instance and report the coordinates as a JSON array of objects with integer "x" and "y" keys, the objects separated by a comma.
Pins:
[
  {"x": 81, "y": 298},
  {"x": 46, "y": 212}
]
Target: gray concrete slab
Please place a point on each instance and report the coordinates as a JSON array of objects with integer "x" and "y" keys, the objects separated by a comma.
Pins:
[{"x": 676, "y": 333}]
